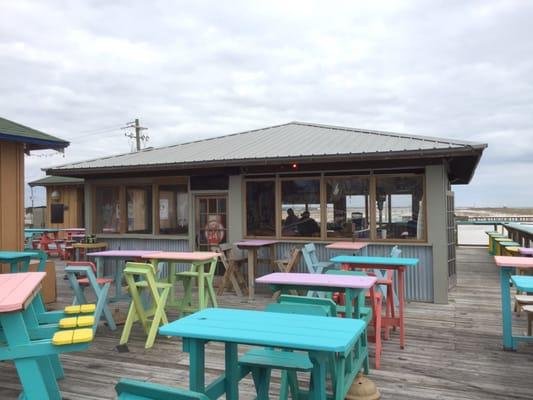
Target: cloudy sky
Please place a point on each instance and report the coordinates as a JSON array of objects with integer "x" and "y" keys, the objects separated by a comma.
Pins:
[{"x": 458, "y": 69}]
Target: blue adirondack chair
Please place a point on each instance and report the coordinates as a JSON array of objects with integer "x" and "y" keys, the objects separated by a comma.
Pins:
[{"x": 314, "y": 266}]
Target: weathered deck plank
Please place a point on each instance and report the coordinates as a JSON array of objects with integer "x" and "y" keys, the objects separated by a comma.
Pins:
[{"x": 453, "y": 351}]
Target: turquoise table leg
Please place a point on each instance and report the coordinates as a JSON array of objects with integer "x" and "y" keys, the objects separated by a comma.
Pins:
[
  {"x": 340, "y": 366},
  {"x": 99, "y": 267},
  {"x": 318, "y": 375},
  {"x": 196, "y": 350},
  {"x": 36, "y": 376},
  {"x": 507, "y": 322},
  {"x": 231, "y": 359}
]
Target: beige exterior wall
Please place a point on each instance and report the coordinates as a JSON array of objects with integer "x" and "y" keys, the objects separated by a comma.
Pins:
[
  {"x": 11, "y": 196},
  {"x": 436, "y": 188},
  {"x": 72, "y": 198},
  {"x": 235, "y": 208}
]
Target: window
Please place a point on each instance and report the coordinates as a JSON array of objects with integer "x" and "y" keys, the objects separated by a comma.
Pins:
[
  {"x": 212, "y": 222},
  {"x": 173, "y": 210},
  {"x": 57, "y": 213},
  {"x": 347, "y": 207},
  {"x": 260, "y": 208},
  {"x": 399, "y": 208},
  {"x": 300, "y": 206},
  {"x": 107, "y": 210},
  {"x": 139, "y": 204}
]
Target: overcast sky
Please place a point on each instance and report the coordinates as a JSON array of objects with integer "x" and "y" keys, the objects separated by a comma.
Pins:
[{"x": 81, "y": 70}]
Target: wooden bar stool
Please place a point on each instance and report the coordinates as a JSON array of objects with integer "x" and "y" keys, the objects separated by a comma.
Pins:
[
  {"x": 141, "y": 277},
  {"x": 206, "y": 292}
]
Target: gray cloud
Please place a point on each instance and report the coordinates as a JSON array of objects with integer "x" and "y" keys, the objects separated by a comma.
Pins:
[{"x": 198, "y": 69}]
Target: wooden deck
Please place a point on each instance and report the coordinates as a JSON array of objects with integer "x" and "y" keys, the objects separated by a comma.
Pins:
[{"x": 453, "y": 351}]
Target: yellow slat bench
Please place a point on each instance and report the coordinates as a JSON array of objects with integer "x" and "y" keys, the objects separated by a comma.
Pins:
[
  {"x": 76, "y": 322},
  {"x": 72, "y": 336},
  {"x": 80, "y": 309}
]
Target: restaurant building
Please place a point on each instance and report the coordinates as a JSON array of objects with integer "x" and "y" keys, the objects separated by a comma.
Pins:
[
  {"x": 296, "y": 183},
  {"x": 16, "y": 140}
]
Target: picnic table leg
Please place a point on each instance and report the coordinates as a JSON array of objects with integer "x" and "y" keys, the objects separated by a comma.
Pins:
[
  {"x": 318, "y": 376},
  {"x": 252, "y": 257},
  {"x": 340, "y": 365},
  {"x": 231, "y": 360},
  {"x": 507, "y": 322},
  {"x": 196, "y": 350},
  {"x": 401, "y": 308},
  {"x": 36, "y": 374},
  {"x": 201, "y": 287}
]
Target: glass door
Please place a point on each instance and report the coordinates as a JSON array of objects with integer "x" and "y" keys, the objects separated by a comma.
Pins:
[{"x": 211, "y": 221}]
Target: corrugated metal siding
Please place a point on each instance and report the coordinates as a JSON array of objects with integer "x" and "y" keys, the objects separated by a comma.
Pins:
[{"x": 419, "y": 280}]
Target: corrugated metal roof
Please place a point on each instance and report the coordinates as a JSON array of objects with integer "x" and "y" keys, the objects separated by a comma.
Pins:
[
  {"x": 56, "y": 180},
  {"x": 292, "y": 140},
  {"x": 13, "y": 131}
]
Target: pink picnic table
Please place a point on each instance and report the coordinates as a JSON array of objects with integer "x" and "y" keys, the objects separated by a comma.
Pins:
[
  {"x": 348, "y": 246},
  {"x": 120, "y": 257},
  {"x": 18, "y": 290},
  {"x": 526, "y": 251},
  {"x": 197, "y": 259},
  {"x": 352, "y": 286},
  {"x": 252, "y": 247},
  {"x": 507, "y": 266}
]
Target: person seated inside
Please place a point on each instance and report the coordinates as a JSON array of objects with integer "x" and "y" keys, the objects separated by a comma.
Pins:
[
  {"x": 307, "y": 226},
  {"x": 290, "y": 223}
]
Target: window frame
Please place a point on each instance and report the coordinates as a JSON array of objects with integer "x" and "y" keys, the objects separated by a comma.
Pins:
[
  {"x": 372, "y": 178},
  {"x": 153, "y": 183},
  {"x": 245, "y": 214}
]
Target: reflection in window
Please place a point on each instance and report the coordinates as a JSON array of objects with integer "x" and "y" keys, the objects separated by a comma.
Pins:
[
  {"x": 399, "y": 208},
  {"x": 211, "y": 223},
  {"x": 347, "y": 207},
  {"x": 139, "y": 201},
  {"x": 107, "y": 210},
  {"x": 300, "y": 204},
  {"x": 260, "y": 208},
  {"x": 173, "y": 209}
]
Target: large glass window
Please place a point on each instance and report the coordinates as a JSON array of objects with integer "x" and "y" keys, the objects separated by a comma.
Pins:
[
  {"x": 261, "y": 208},
  {"x": 107, "y": 210},
  {"x": 139, "y": 202},
  {"x": 400, "y": 207},
  {"x": 347, "y": 207},
  {"x": 300, "y": 207},
  {"x": 173, "y": 209}
]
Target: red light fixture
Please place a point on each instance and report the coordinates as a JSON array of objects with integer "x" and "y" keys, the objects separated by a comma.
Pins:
[{"x": 294, "y": 166}]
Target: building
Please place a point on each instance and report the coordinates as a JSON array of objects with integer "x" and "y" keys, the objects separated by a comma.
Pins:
[
  {"x": 297, "y": 183},
  {"x": 64, "y": 201},
  {"x": 15, "y": 141}
]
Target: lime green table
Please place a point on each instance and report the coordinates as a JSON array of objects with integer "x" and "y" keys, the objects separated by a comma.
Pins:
[{"x": 199, "y": 261}]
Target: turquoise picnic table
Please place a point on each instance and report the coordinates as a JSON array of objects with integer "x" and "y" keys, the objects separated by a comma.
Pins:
[
  {"x": 28, "y": 343},
  {"x": 508, "y": 266},
  {"x": 19, "y": 261},
  {"x": 286, "y": 331},
  {"x": 119, "y": 257},
  {"x": 398, "y": 264}
]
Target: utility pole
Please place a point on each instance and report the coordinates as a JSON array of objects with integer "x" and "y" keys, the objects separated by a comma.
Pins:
[{"x": 137, "y": 135}]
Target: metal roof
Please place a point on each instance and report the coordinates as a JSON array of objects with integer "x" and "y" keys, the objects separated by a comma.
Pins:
[
  {"x": 291, "y": 141},
  {"x": 56, "y": 180},
  {"x": 35, "y": 140}
]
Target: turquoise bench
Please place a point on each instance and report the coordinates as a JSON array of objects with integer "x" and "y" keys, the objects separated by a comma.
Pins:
[
  {"x": 261, "y": 362},
  {"x": 129, "y": 389}
]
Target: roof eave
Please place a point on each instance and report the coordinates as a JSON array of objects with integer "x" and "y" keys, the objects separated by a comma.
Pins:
[
  {"x": 80, "y": 172},
  {"x": 35, "y": 144}
]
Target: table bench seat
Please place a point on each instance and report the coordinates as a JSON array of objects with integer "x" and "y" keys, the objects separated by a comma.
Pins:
[
  {"x": 129, "y": 389},
  {"x": 72, "y": 336},
  {"x": 76, "y": 322},
  {"x": 277, "y": 359}
]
